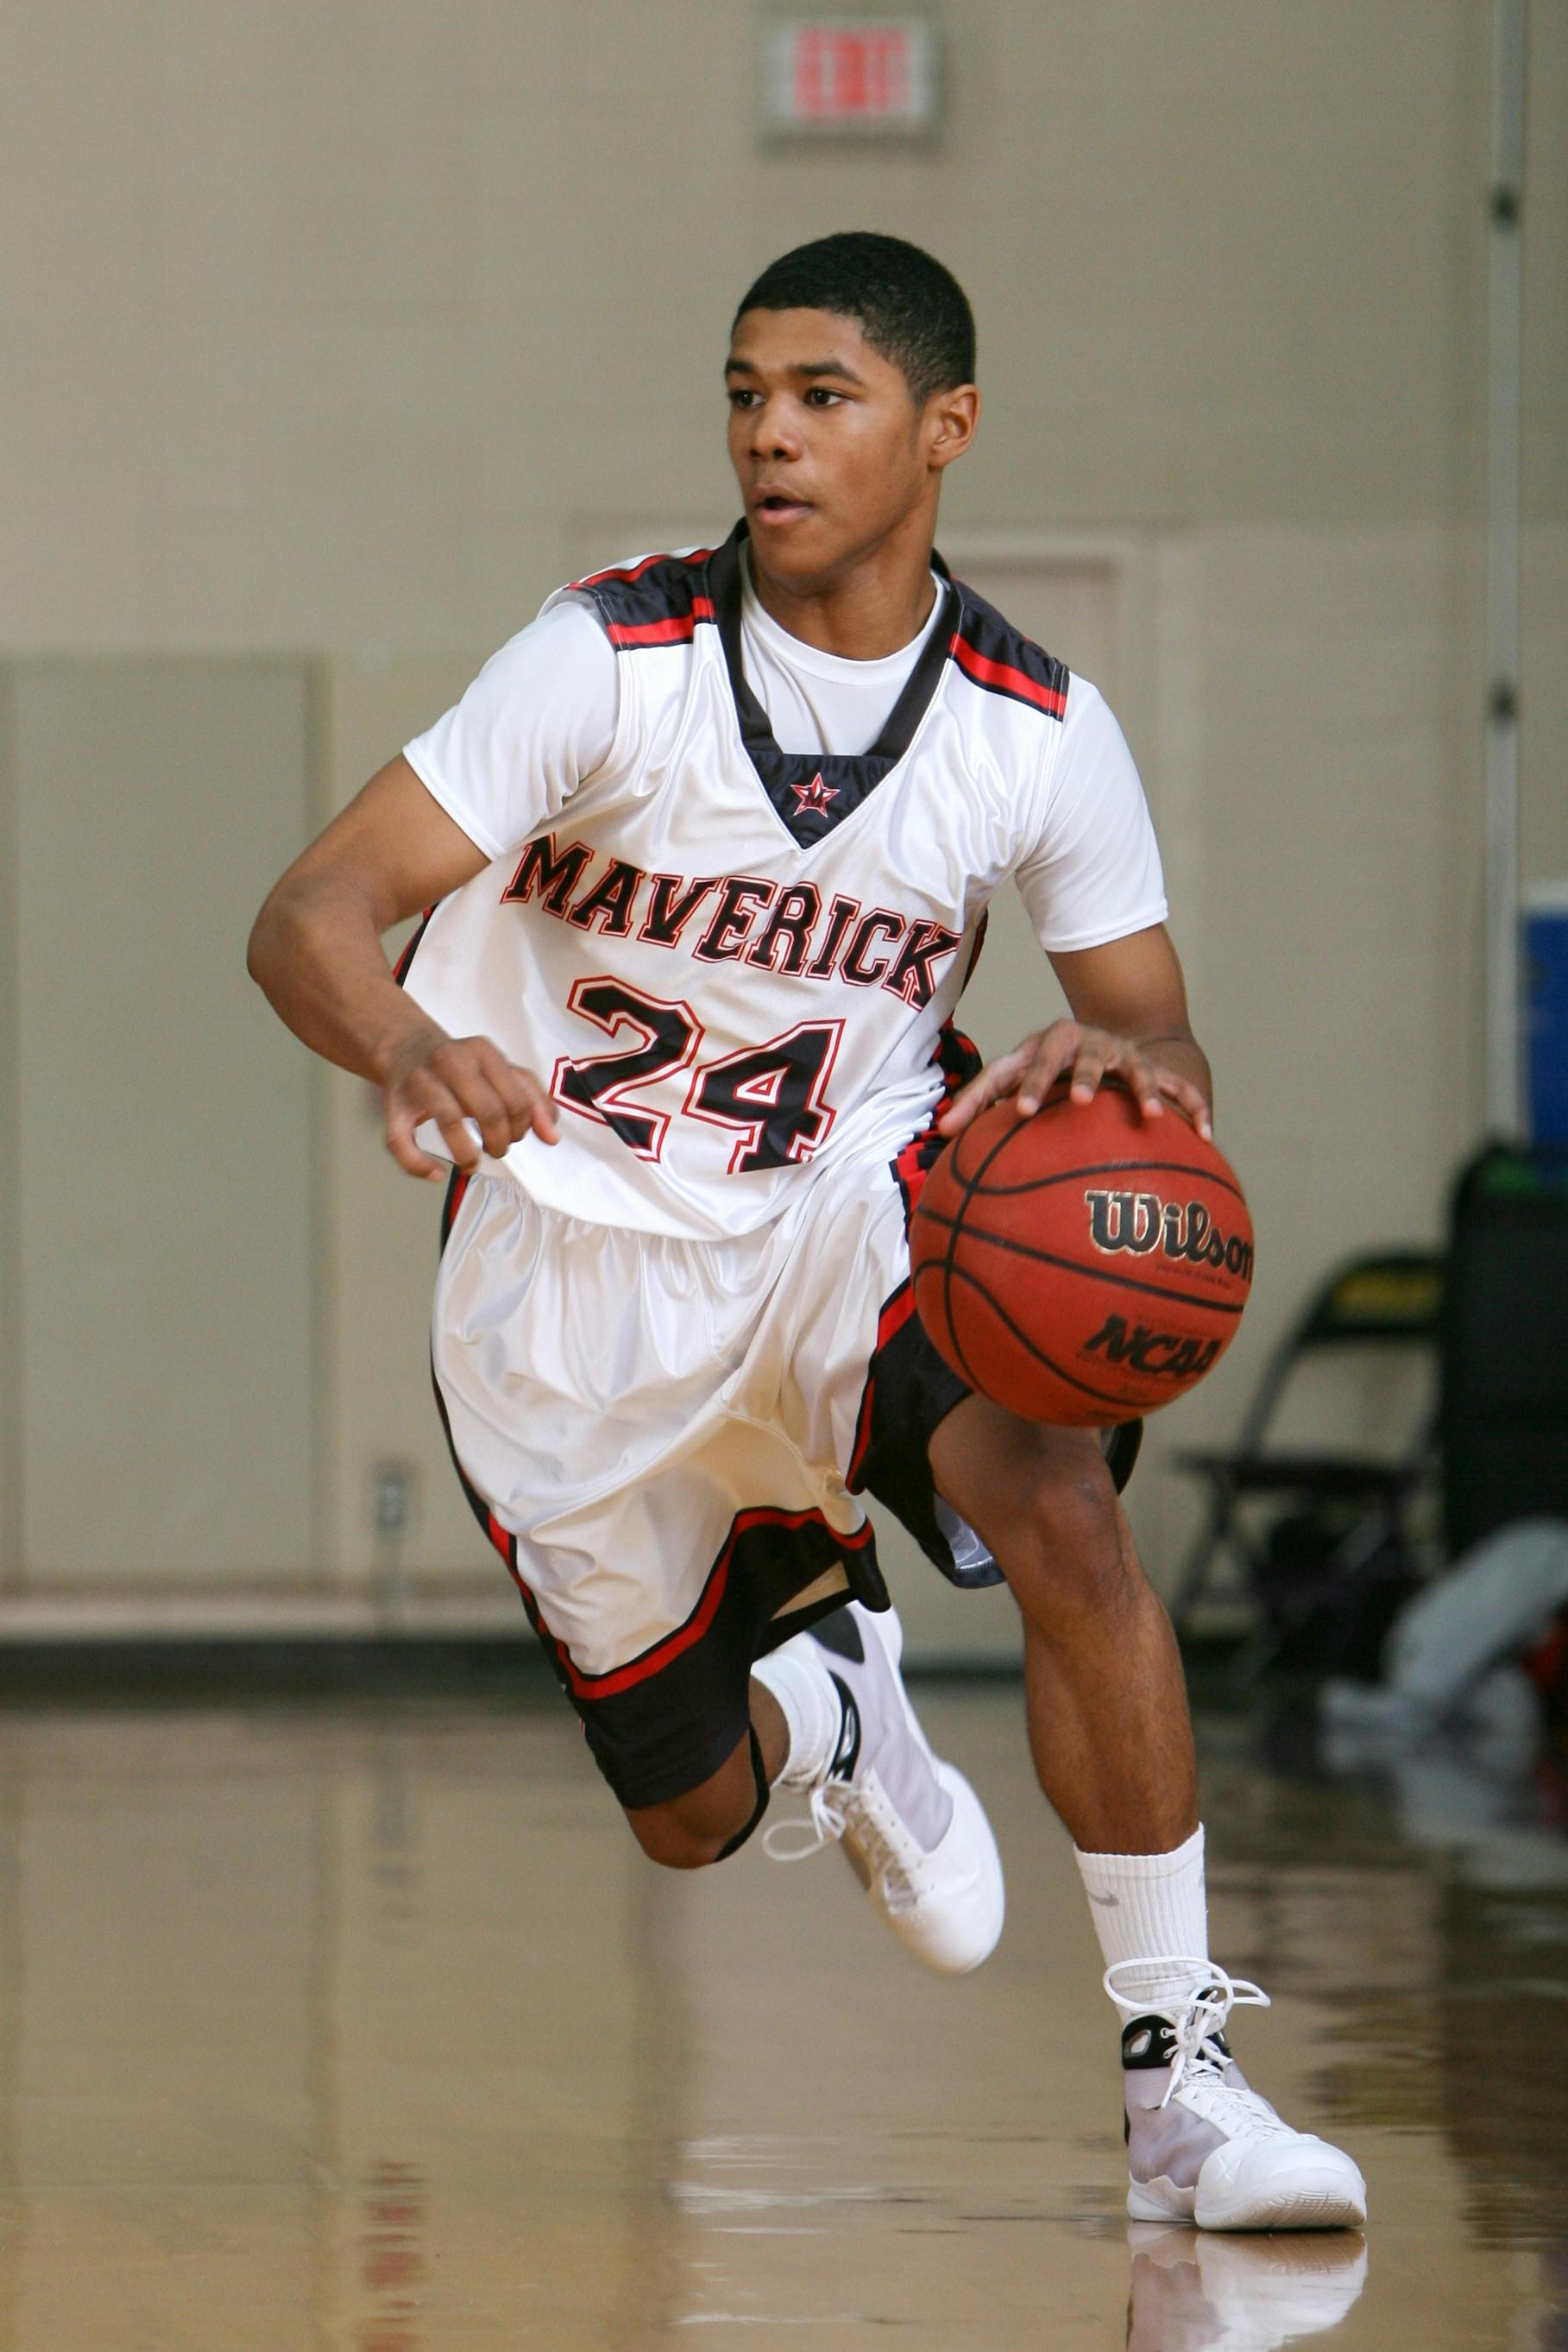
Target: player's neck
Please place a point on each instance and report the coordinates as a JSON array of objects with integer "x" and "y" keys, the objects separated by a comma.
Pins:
[{"x": 875, "y": 607}]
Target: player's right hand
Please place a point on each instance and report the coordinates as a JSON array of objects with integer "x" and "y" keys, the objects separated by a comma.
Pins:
[{"x": 453, "y": 1081}]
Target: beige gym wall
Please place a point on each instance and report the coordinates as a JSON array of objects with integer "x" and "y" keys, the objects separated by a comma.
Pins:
[{"x": 347, "y": 331}]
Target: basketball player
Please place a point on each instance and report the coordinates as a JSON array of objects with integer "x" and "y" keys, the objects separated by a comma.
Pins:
[{"x": 709, "y": 847}]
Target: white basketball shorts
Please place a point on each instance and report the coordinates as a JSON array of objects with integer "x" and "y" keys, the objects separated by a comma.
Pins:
[{"x": 668, "y": 1440}]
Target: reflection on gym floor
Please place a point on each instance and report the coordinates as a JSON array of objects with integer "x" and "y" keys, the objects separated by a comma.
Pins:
[{"x": 370, "y": 2030}]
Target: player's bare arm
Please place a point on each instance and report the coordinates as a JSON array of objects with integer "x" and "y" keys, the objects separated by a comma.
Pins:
[
  {"x": 316, "y": 952},
  {"x": 1129, "y": 1019}
]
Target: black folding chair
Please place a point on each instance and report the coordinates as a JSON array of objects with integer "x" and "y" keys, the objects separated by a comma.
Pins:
[
  {"x": 1504, "y": 1416},
  {"x": 1390, "y": 1300}
]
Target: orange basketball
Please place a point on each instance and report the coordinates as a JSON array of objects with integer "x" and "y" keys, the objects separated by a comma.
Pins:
[{"x": 1084, "y": 1266}]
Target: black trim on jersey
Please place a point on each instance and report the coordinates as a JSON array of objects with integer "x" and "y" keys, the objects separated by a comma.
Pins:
[
  {"x": 664, "y": 599},
  {"x": 402, "y": 968},
  {"x": 1000, "y": 659},
  {"x": 658, "y": 601},
  {"x": 813, "y": 791}
]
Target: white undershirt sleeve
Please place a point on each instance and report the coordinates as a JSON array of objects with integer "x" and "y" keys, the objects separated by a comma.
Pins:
[
  {"x": 539, "y": 717},
  {"x": 1095, "y": 873}
]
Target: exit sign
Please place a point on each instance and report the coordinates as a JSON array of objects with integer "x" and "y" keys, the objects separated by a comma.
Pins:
[{"x": 856, "y": 76}]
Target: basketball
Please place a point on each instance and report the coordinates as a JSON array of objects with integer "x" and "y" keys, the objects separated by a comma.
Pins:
[{"x": 1086, "y": 1265}]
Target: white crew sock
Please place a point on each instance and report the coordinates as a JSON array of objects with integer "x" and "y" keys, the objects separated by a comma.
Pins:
[
  {"x": 1150, "y": 1907},
  {"x": 809, "y": 1701}
]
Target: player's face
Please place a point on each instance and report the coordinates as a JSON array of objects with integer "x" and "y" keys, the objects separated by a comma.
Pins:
[{"x": 829, "y": 446}]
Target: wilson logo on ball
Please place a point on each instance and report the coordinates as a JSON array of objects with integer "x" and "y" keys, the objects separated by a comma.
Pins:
[
  {"x": 1084, "y": 1264},
  {"x": 1144, "y": 1223}
]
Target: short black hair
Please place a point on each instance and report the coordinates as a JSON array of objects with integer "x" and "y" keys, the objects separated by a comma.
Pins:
[{"x": 910, "y": 309}]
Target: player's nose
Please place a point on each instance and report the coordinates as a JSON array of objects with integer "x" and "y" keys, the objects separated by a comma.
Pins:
[{"x": 773, "y": 433}]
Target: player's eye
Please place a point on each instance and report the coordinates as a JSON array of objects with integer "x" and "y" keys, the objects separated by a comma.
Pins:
[
  {"x": 741, "y": 397},
  {"x": 822, "y": 396}
]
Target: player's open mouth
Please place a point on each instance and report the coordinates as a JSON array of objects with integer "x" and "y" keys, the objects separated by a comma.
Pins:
[{"x": 776, "y": 505}]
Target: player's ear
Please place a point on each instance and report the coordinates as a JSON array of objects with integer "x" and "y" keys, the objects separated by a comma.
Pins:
[{"x": 951, "y": 418}]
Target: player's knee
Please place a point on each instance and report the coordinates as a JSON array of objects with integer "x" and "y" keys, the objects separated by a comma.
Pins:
[
  {"x": 1067, "y": 1551},
  {"x": 680, "y": 1835}
]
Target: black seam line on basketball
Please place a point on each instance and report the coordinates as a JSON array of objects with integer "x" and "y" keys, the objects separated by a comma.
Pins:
[
  {"x": 1000, "y": 1144},
  {"x": 972, "y": 1233},
  {"x": 965, "y": 1366},
  {"x": 1102, "y": 1168},
  {"x": 1100, "y": 1396},
  {"x": 948, "y": 1263}
]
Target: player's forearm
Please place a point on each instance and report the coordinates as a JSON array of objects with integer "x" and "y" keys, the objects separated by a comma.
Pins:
[{"x": 316, "y": 953}]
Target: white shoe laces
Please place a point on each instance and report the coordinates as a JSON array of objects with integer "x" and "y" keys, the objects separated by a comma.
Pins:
[
  {"x": 1198, "y": 2064},
  {"x": 833, "y": 1807}
]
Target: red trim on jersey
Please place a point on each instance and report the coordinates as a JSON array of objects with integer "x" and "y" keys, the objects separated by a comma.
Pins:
[
  {"x": 895, "y": 1314},
  {"x": 460, "y": 1181},
  {"x": 1008, "y": 681},
  {"x": 635, "y": 571},
  {"x": 679, "y": 629},
  {"x": 909, "y": 1168}
]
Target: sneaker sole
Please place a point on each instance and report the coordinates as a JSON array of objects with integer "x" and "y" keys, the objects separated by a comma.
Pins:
[{"x": 1322, "y": 2207}]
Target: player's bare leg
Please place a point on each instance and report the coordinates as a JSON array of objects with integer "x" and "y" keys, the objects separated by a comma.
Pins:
[
  {"x": 1111, "y": 1740},
  {"x": 1108, "y": 1722}
]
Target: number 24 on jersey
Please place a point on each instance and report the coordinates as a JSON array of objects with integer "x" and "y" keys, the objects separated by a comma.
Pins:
[{"x": 770, "y": 1095}]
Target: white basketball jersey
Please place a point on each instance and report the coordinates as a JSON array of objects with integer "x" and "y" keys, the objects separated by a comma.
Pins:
[{"x": 730, "y": 962}]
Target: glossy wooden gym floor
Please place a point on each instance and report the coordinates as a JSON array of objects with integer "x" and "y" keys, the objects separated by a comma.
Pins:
[{"x": 368, "y": 2029}]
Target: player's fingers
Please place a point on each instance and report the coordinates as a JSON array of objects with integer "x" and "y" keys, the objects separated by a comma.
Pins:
[
  {"x": 989, "y": 1086},
  {"x": 1051, "y": 1055},
  {"x": 983, "y": 1089},
  {"x": 546, "y": 1124},
  {"x": 515, "y": 1088},
  {"x": 528, "y": 1100},
  {"x": 1188, "y": 1098},
  {"x": 423, "y": 1096},
  {"x": 463, "y": 1137},
  {"x": 400, "y": 1121},
  {"x": 1088, "y": 1069},
  {"x": 481, "y": 1103},
  {"x": 1140, "y": 1077}
]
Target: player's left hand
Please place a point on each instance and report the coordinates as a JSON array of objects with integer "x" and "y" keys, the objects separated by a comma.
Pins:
[{"x": 1031, "y": 1069}]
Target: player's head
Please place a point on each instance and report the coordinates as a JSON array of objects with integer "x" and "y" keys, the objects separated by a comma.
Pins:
[
  {"x": 851, "y": 383},
  {"x": 909, "y": 309}
]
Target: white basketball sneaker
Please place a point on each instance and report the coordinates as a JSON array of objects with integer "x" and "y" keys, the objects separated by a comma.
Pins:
[
  {"x": 1194, "y": 2292},
  {"x": 1202, "y": 2146},
  {"x": 911, "y": 1827}
]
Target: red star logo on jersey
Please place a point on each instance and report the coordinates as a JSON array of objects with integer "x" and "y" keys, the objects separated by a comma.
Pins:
[{"x": 814, "y": 795}]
